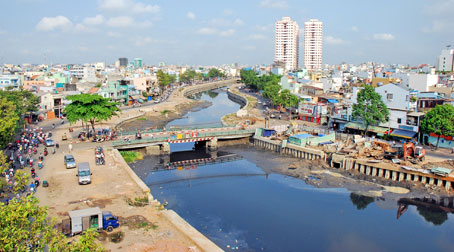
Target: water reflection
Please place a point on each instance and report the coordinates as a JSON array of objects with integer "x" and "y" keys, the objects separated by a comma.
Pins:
[
  {"x": 361, "y": 201},
  {"x": 433, "y": 211}
]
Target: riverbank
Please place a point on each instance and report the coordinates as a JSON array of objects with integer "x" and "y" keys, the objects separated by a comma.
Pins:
[
  {"x": 320, "y": 175},
  {"x": 148, "y": 228}
]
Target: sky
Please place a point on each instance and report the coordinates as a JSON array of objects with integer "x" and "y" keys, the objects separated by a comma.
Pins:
[{"x": 213, "y": 32}]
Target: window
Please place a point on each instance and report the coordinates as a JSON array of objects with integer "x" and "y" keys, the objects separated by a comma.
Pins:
[
  {"x": 406, "y": 98},
  {"x": 389, "y": 96},
  {"x": 399, "y": 120}
]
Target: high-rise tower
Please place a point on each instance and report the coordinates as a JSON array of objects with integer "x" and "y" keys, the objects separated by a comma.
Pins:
[
  {"x": 286, "y": 43},
  {"x": 313, "y": 44}
]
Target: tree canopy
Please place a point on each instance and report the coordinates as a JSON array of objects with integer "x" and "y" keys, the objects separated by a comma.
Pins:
[
  {"x": 90, "y": 108},
  {"x": 214, "y": 73},
  {"x": 269, "y": 83},
  {"x": 164, "y": 79},
  {"x": 9, "y": 121},
  {"x": 370, "y": 108},
  {"x": 25, "y": 226},
  {"x": 439, "y": 120},
  {"x": 190, "y": 76}
]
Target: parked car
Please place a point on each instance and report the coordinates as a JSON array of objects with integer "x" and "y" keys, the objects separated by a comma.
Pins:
[
  {"x": 70, "y": 162},
  {"x": 49, "y": 142}
]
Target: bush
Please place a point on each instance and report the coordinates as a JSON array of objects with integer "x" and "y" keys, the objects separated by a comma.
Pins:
[{"x": 131, "y": 156}]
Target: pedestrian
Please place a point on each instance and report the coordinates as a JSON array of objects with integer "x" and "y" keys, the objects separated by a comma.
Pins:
[
  {"x": 70, "y": 147},
  {"x": 57, "y": 145}
]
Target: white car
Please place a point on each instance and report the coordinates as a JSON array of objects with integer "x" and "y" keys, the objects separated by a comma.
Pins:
[{"x": 49, "y": 142}]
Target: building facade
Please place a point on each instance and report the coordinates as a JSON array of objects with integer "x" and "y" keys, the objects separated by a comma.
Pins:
[
  {"x": 313, "y": 44},
  {"x": 446, "y": 60},
  {"x": 286, "y": 43}
]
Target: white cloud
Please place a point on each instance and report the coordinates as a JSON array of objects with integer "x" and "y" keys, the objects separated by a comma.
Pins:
[
  {"x": 142, "y": 41},
  {"x": 128, "y": 6},
  {"x": 384, "y": 36},
  {"x": 257, "y": 37},
  {"x": 207, "y": 31},
  {"x": 114, "y": 34},
  {"x": 2, "y": 31},
  {"x": 279, "y": 4},
  {"x": 228, "y": 12},
  {"x": 214, "y": 31},
  {"x": 54, "y": 23},
  {"x": 191, "y": 15},
  {"x": 439, "y": 26},
  {"x": 263, "y": 27},
  {"x": 120, "y": 22},
  {"x": 83, "y": 28},
  {"x": 227, "y": 33},
  {"x": 144, "y": 24},
  {"x": 355, "y": 29},
  {"x": 238, "y": 22},
  {"x": 96, "y": 20},
  {"x": 440, "y": 7},
  {"x": 329, "y": 40}
]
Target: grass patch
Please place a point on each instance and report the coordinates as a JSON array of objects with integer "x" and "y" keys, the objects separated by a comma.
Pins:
[
  {"x": 138, "y": 201},
  {"x": 131, "y": 156},
  {"x": 181, "y": 89},
  {"x": 164, "y": 112},
  {"x": 142, "y": 118}
]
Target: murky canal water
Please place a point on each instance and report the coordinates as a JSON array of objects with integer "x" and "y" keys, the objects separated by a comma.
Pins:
[{"x": 242, "y": 207}]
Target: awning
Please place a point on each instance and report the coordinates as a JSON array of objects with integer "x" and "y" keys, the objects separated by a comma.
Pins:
[
  {"x": 332, "y": 101},
  {"x": 403, "y": 133},
  {"x": 359, "y": 126}
]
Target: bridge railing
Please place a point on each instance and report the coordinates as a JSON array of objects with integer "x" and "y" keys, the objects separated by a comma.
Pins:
[
  {"x": 174, "y": 137},
  {"x": 171, "y": 129}
]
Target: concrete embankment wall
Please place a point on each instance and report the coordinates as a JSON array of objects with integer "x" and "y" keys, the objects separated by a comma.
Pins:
[
  {"x": 390, "y": 172},
  {"x": 289, "y": 149},
  {"x": 237, "y": 98},
  {"x": 384, "y": 170},
  {"x": 199, "y": 239},
  {"x": 204, "y": 87}
]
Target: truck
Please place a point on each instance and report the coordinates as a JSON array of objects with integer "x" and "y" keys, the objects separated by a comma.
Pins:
[{"x": 84, "y": 219}]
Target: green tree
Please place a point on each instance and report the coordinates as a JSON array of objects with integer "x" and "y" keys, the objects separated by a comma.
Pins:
[
  {"x": 214, "y": 73},
  {"x": 21, "y": 180},
  {"x": 164, "y": 79},
  {"x": 439, "y": 120},
  {"x": 145, "y": 94},
  {"x": 272, "y": 92},
  {"x": 8, "y": 123},
  {"x": 370, "y": 108},
  {"x": 4, "y": 164},
  {"x": 90, "y": 108},
  {"x": 26, "y": 226},
  {"x": 24, "y": 100}
]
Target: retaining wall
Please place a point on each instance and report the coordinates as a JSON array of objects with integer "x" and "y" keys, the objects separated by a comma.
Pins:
[
  {"x": 199, "y": 239},
  {"x": 383, "y": 170},
  {"x": 191, "y": 90}
]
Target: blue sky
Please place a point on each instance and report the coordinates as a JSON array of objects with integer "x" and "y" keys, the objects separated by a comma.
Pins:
[{"x": 216, "y": 32}]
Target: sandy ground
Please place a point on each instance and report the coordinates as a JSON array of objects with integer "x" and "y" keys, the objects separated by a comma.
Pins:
[
  {"x": 145, "y": 229},
  {"x": 109, "y": 190}
]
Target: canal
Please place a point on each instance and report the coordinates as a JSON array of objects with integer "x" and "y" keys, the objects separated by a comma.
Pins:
[{"x": 235, "y": 199}]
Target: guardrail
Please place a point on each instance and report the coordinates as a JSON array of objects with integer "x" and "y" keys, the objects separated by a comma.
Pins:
[
  {"x": 174, "y": 136},
  {"x": 171, "y": 129}
]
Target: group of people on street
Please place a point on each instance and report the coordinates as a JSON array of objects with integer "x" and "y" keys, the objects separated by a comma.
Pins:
[{"x": 27, "y": 151}]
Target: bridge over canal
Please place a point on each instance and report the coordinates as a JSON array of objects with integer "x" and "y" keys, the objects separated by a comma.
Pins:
[{"x": 158, "y": 141}]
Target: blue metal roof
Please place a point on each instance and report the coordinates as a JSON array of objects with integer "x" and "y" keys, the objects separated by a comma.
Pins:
[
  {"x": 403, "y": 133},
  {"x": 332, "y": 101}
]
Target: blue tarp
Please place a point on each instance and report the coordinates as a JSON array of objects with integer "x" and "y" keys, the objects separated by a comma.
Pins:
[
  {"x": 403, "y": 133},
  {"x": 332, "y": 101},
  {"x": 303, "y": 136}
]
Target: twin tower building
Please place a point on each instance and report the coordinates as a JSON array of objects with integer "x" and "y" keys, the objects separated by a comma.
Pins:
[{"x": 287, "y": 43}]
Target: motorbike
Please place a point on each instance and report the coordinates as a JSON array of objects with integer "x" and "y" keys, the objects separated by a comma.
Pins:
[
  {"x": 45, "y": 153},
  {"x": 53, "y": 151}
]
